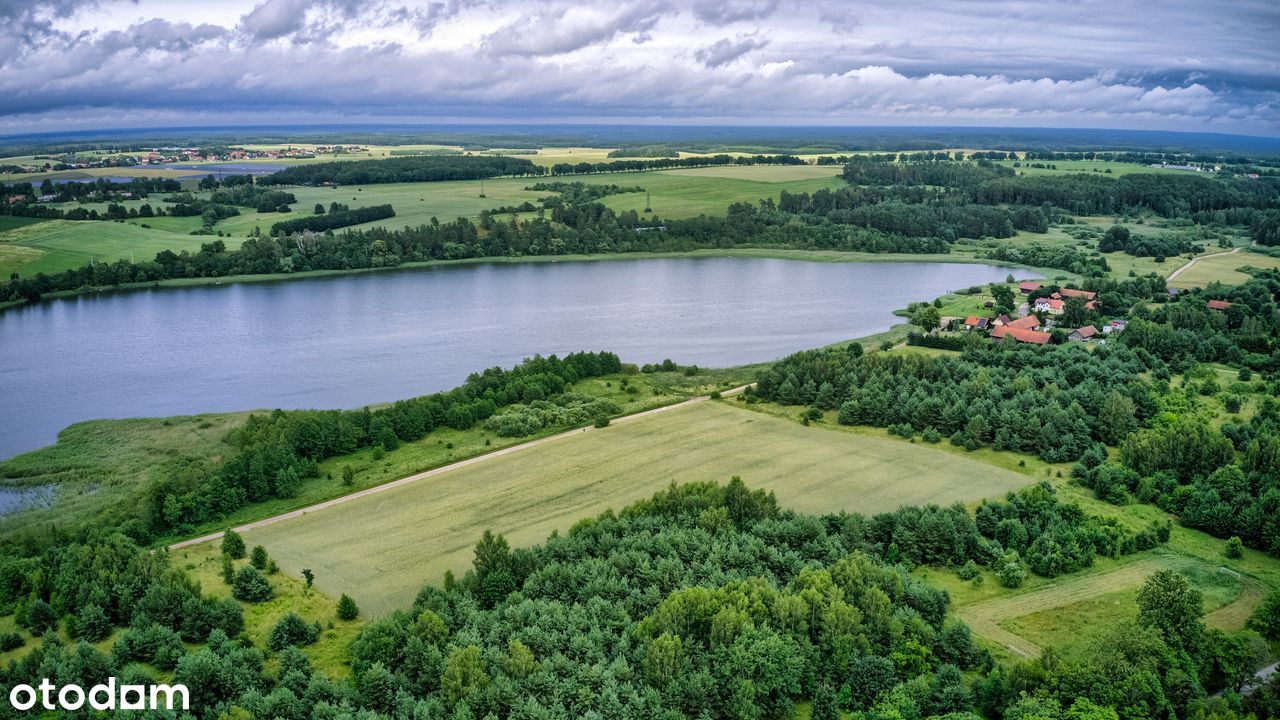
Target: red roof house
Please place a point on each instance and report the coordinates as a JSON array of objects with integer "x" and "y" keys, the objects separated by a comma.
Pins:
[
  {"x": 1219, "y": 304},
  {"x": 1026, "y": 336},
  {"x": 1081, "y": 334},
  {"x": 1026, "y": 288}
]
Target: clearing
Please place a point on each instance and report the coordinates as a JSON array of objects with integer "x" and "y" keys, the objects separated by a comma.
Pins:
[
  {"x": 1223, "y": 268},
  {"x": 381, "y": 548}
]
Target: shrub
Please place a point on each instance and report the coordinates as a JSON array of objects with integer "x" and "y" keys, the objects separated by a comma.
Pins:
[
  {"x": 251, "y": 585},
  {"x": 968, "y": 571},
  {"x": 930, "y": 435},
  {"x": 292, "y": 630},
  {"x": 347, "y": 608},
  {"x": 232, "y": 544},
  {"x": 259, "y": 558},
  {"x": 1235, "y": 548},
  {"x": 1010, "y": 570}
]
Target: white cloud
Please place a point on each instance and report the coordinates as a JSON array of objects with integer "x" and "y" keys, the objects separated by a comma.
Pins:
[{"x": 1097, "y": 62}]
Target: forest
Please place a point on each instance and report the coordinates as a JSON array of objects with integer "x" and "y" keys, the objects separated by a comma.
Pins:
[
  {"x": 424, "y": 168},
  {"x": 1069, "y": 404},
  {"x": 704, "y": 601}
]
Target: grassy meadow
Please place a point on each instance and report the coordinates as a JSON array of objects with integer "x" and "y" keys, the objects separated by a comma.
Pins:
[
  {"x": 56, "y": 245},
  {"x": 381, "y": 548},
  {"x": 1223, "y": 268}
]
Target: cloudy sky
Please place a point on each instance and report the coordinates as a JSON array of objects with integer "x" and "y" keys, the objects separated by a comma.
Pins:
[{"x": 1179, "y": 64}]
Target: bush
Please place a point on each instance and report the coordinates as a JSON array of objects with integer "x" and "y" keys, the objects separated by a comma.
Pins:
[
  {"x": 602, "y": 421},
  {"x": 259, "y": 558},
  {"x": 251, "y": 585},
  {"x": 232, "y": 544},
  {"x": 968, "y": 571},
  {"x": 292, "y": 630},
  {"x": 10, "y": 641},
  {"x": 1010, "y": 570},
  {"x": 347, "y": 608},
  {"x": 930, "y": 435},
  {"x": 1235, "y": 548}
]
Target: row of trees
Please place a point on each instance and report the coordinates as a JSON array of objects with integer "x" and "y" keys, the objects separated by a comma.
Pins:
[
  {"x": 277, "y": 452},
  {"x": 426, "y": 168}
]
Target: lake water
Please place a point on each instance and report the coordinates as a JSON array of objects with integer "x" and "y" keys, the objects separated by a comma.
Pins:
[{"x": 350, "y": 340}]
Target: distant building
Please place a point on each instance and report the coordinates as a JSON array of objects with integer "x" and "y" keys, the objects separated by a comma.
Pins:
[
  {"x": 1082, "y": 334},
  {"x": 1219, "y": 304},
  {"x": 1026, "y": 288},
  {"x": 1049, "y": 305},
  {"x": 1114, "y": 326}
]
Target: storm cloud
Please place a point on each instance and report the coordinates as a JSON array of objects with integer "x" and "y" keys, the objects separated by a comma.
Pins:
[{"x": 1091, "y": 63}]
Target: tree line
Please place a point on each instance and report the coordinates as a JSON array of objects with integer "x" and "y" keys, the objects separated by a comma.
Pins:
[
  {"x": 277, "y": 452},
  {"x": 425, "y": 168}
]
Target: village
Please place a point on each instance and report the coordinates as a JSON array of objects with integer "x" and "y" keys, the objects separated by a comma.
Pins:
[{"x": 1044, "y": 316}]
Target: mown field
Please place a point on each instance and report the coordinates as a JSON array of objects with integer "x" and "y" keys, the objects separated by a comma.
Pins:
[
  {"x": 381, "y": 548},
  {"x": 102, "y": 464},
  {"x": 1223, "y": 268},
  {"x": 56, "y": 245},
  {"x": 1067, "y": 612}
]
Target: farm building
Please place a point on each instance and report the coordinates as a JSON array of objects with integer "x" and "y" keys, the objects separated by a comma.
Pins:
[
  {"x": 974, "y": 322},
  {"x": 1030, "y": 322},
  {"x": 1049, "y": 305},
  {"x": 1114, "y": 326},
  {"x": 1082, "y": 334},
  {"x": 1026, "y": 288},
  {"x": 1025, "y": 336},
  {"x": 1219, "y": 304}
]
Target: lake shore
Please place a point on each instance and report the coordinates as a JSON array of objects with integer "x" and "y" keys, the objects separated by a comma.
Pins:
[{"x": 823, "y": 256}]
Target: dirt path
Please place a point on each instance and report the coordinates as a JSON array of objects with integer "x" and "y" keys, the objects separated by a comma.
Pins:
[
  {"x": 1194, "y": 260},
  {"x": 984, "y": 617},
  {"x": 442, "y": 469}
]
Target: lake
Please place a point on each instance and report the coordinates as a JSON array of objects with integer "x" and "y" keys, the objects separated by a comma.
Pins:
[{"x": 349, "y": 340}]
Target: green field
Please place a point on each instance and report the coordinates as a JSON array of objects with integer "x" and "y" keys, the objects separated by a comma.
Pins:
[
  {"x": 381, "y": 548},
  {"x": 57, "y": 245},
  {"x": 54, "y": 246},
  {"x": 1088, "y": 166},
  {"x": 1223, "y": 268}
]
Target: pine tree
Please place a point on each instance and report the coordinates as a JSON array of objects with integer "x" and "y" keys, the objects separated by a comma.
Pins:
[{"x": 347, "y": 608}]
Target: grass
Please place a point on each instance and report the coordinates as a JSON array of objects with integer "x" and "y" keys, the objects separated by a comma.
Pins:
[
  {"x": 381, "y": 548},
  {"x": 330, "y": 654},
  {"x": 1068, "y": 611},
  {"x": 110, "y": 463},
  {"x": 65, "y": 244},
  {"x": 1223, "y": 268},
  {"x": 1087, "y": 166}
]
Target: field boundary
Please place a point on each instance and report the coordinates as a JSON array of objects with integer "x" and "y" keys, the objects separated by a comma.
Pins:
[
  {"x": 1196, "y": 259},
  {"x": 440, "y": 470}
]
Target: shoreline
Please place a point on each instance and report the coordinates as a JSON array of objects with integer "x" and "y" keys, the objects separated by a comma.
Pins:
[{"x": 823, "y": 256}]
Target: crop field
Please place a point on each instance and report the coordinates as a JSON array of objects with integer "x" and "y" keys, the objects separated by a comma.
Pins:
[
  {"x": 1088, "y": 166},
  {"x": 57, "y": 245},
  {"x": 381, "y": 548},
  {"x": 1223, "y": 268}
]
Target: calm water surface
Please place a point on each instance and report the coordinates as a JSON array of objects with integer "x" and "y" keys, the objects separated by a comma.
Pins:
[{"x": 346, "y": 341}]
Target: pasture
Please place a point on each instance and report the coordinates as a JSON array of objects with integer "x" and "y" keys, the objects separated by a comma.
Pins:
[
  {"x": 57, "y": 245},
  {"x": 1223, "y": 268},
  {"x": 1067, "y": 612},
  {"x": 381, "y": 548}
]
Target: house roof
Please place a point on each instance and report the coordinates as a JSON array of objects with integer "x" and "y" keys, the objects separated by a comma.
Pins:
[
  {"x": 1087, "y": 331},
  {"x": 1219, "y": 304},
  {"x": 1028, "y": 286},
  {"x": 1072, "y": 292},
  {"x": 1049, "y": 303},
  {"x": 1026, "y": 336},
  {"x": 1030, "y": 322}
]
